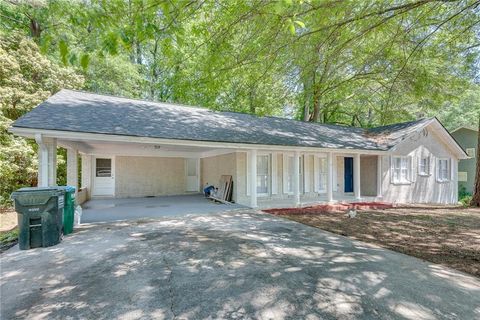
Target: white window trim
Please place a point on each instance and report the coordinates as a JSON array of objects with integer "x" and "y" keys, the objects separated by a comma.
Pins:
[
  {"x": 449, "y": 173},
  {"x": 249, "y": 169},
  {"x": 424, "y": 174},
  {"x": 409, "y": 170}
]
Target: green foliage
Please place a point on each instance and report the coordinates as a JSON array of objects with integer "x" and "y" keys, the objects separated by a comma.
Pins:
[
  {"x": 113, "y": 75},
  {"x": 26, "y": 78},
  {"x": 466, "y": 200},
  {"x": 463, "y": 111},
  {"x": 361, "y": 63},
  {"x": 18, "y": 162},
  {"x": 9, "y": 236},
  {"x": 464, "y": 197}
]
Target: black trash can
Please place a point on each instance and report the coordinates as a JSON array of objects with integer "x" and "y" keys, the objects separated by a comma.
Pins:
[{"x": 40, "y": 216}]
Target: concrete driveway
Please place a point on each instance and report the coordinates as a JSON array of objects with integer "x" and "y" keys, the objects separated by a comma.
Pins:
[
  {"x": 236, "y": 265},
  {"x": 101, "y": 210}
]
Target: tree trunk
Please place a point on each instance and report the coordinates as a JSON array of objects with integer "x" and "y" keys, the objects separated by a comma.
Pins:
[
  {"x": 316, "y": 107},
  {"x": 476, "y": 189},
  {"x": 35, "y": 30}
]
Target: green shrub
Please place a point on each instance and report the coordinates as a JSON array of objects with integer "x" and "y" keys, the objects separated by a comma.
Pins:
[
  {"x": 465, "y": 201},
  {"x": 9, "y": 236}
]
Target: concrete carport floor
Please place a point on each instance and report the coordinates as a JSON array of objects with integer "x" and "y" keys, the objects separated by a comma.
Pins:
[
  {"x": 101, "y": 210},
  {"x": 235, "y": 265}
]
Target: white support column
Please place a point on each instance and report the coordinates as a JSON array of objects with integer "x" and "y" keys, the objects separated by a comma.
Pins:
[
  {"x": 379, "y": 177},
  {"x": 296, "y": 179},
  {"x": 72, "y": 169},
  {"x": 329, "y": 177},
  {"x": 87, "y": 174},
  {"x": 52, "y": 163},
  {"x": 47, "y": 161},
  {"x": 356, "y": 176},
  {"x": 252, "y": 154}
]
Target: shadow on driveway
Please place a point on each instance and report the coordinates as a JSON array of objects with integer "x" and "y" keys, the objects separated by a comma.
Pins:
[{"x": 231, "y": 265}]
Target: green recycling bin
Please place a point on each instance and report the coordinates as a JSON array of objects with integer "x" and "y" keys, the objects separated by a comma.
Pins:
[
  {"x": 40, "y": 216},
  {"x": 69, "y": 209}
]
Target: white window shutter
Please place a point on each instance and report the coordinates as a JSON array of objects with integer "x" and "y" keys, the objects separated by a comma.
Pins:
[
  {"x": 249, "y": 169},
  {"x": 392, "y": 169},
  {"x": 306, "y": 173},
  {"x": 285, "y": 173},
  {"x": 274, "y": 173},
  {"x": 452, "y": 169},
  {"x": 316, "y": 173}
]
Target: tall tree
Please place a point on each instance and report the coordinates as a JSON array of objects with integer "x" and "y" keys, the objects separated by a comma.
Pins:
[{"x": 476, "y": 191}]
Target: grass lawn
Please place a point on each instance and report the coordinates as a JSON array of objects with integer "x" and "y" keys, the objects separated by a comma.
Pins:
[
  {"x": 444, "y": 235},
  {"x": 8, "y": 229}
]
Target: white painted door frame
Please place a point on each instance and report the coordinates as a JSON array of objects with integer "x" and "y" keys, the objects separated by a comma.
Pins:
[{"x": 103, "y": 186}]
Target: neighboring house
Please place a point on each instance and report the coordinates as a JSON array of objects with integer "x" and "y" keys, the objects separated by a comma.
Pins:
[
  {"x": 467, "y": 138},
  {"x": 133, "y": 148}
]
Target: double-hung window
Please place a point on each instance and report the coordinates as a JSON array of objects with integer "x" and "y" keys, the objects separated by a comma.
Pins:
[
  {"x": 400, "y": 170},
  {"x": 290, "y": 174},
  {"x": 263, "y": 169},
  {"x": 424, "y": 166},
  {"x": 443, "y": 170}
]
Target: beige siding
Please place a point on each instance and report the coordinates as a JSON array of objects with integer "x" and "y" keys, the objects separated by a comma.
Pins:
[
  {"x": 149, "y": 176},
  {"x": 340, "y": 174},
  {"x": 423, "y": 189},
  {"x": 212, "y": 168},
  {"x": 241, "y": 179},
  {"x": 368, "y": 175}
]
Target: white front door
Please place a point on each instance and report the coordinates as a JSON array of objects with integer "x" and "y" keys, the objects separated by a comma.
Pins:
[
  {"x": 104, "y": 176},
  {"x": 191, "y": 170}
]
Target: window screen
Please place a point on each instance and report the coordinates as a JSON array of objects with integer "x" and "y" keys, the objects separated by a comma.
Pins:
[
  {"x": 103, "y": 167},
  {"x": 262, "y": 173}
]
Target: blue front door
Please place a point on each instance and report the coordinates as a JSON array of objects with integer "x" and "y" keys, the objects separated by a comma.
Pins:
[{"x": 348, "y": 165}]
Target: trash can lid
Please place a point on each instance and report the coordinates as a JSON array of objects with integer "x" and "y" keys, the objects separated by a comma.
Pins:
[
  {"x": 67, "y": 188},
  {"x": 28, "y": 190}
]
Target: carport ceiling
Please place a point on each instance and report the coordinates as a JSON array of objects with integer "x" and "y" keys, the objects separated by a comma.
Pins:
[{"x": 130, "y": 148}]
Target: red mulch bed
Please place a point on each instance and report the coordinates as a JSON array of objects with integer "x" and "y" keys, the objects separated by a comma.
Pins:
[{"x": 331, "y": 208}]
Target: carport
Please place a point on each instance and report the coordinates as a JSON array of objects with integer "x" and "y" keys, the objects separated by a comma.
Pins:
[{"x": 102, "y": 210}]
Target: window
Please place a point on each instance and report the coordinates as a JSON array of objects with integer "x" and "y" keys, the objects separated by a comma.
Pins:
[
  {"x": 289, "y": 174},
  {"x": 462, "y": 176},
  {"x": 470, "y": 152},
  {"x": 400, "y": 170},
  {"x": 262, "y": 174},
  {"x": 103, "y": 167},
  {"x": 443, "y": 170},
  {"x": 424, "y": 166},
  {"x": 322, "y": 171}
]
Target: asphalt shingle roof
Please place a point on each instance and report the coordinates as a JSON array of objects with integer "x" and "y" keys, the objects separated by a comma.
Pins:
[{"x": 78, "y": 111}]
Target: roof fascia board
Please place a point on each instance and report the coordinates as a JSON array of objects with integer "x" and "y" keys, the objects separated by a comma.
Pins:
[{"x": 71, "y": 135}]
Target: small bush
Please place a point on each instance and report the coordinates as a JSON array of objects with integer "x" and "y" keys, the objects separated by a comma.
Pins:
[
  {"x": 465, "y": 201},
  {"x": 9, "y": 236}
]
